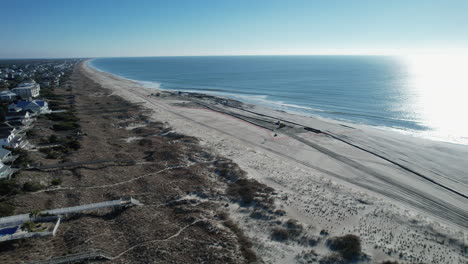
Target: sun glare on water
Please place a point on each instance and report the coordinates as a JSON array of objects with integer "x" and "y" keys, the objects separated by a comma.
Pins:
[{"x": 438, "y": 94}]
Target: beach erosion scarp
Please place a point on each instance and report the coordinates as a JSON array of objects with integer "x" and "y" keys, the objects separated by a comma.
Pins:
[{"x": 386, "y": 187}]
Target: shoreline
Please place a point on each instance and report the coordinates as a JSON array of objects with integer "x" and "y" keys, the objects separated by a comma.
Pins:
[
  {"x": 324, "y": 182},
  {"x": 421, "y": 134}
]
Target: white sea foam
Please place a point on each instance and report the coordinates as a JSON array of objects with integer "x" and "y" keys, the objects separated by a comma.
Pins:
[{"x": 147, "y": 84}]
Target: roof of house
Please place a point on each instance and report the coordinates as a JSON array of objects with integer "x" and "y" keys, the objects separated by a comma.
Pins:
[
  {"x": 23, "y": 104},
  {"x": 4, "y": 153},
  {"x": 7, "y": 93}
]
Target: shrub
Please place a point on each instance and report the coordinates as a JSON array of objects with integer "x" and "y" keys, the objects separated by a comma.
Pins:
[
  {"x": 56, "y": 181},
  {"x": 294, "y": 227},
  {"x": 9, "y": 187},
  {"x": 29, "y": 226},
  {"x": 73, "y": 144},
  {"x": 34, "y": 213},
  {"x": 63, "y": 117},
  {"x": 6, "y": 209},
  {"x": 23, "y": 158},
  {"x": 244, "y": 242},
  {"x": 52, "y": 155},
  {"x": 280, "y": 234},
  {"x": 55, "y": 105},
  {"x": 332, "y": 259},
  {"x": 53, "y": 139},
  {"x": 32, "y": 186},
  {"x": 246, "y": 190},
  {"x": 145, "y": 142},
  {"x": 349, "y": 246},
  {"x": 63, "y": 126},
  {"x": 228, "y": 170},
  {"x": 31, "y": 133}
]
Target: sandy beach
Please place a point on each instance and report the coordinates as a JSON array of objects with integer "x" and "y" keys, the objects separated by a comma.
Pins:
[{"x": 406, "y": 197}]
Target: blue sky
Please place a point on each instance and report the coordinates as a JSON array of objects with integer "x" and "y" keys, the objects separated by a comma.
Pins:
[{"x": 102, "y": 28}]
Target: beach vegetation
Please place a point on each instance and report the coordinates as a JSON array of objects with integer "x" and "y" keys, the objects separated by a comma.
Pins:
[
  {"x": 53, "y": 139},
  {"x": 50, "y": 153},
  {"x": 228, "y": 170},
  {"x": 62, "y": 117},
  {"x": 280, "y": 234},
  {"x": 23, "y": 159},
  {"x": 29, "y": 226},
  {"x": 243, "y": 240},
  {"x": 333, "y": 258},
  {"x": 67, "y": 125},
  {"x": 6, "y": 209},
  {"x": 56, "y": 181},
  {"x": 55, "y": 105},
  {"x": 32, "y": 186},
  {"x": 9, "y": 187},
  {"x": 248, "y": 190},
  {"x": 307, "y": 257},
  {"x": 31, "y": 133},
  {"x": 349, "y": 246},
  {"x": 145, "y": 142},
  {"x": 34, "y": 213},
  {"x": 73, "y": 143},
  {"x": 294, "y": 227}
]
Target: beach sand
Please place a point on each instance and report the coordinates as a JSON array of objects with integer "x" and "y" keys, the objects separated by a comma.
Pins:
[{"x": 404, "y": 196}]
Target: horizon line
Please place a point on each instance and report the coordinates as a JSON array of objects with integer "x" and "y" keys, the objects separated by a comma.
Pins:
[{"x": 387, "y": 54}]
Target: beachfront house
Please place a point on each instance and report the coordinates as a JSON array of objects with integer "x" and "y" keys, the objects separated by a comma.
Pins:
[
  {"x": 5, "y": 171},
  {"x": 8, "y": 96},
  {"x": 27, "y": 90},
  {"x": 10, "y": 137},
  {"x": 20, "y": 120},
  {"x": 6, "y": 156},
  {"x": 35, "y": 107}
]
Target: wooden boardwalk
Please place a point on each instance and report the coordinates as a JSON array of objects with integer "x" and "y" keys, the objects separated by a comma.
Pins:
[
  {"x": 75, "y": 258},
  {"x": 20, "y": 219}
]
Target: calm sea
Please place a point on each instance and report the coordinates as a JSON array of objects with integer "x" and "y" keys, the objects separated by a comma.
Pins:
[{"x": 386, "y": 92}]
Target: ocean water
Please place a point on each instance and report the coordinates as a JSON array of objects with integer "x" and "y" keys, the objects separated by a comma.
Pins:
[{"x": 414, "y": 95}]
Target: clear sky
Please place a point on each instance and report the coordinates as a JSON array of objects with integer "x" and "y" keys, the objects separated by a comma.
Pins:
[{"x": 102, "y": 28}]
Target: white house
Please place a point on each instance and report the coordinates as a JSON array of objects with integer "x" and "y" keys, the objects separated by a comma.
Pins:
[
  {"x": 10, "y": 137},
  {"x": 35, "y": 107},
  {"x": 5, "y": 171},
  {"x": 27, "y": 90},
  {"x": 6, "y": 156}
]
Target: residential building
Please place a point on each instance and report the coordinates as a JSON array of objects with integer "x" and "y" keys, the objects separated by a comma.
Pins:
[
  {"x": 27, "y": 90},
  {"x": 10, "y": 137},
  {"x": 20, "y": 120},
  {"x": 5, "y": 171},
  {"x": 35, "y": 107},
  {"x": 6, "y": 156},
  {"x": 8, "y": 96}
]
